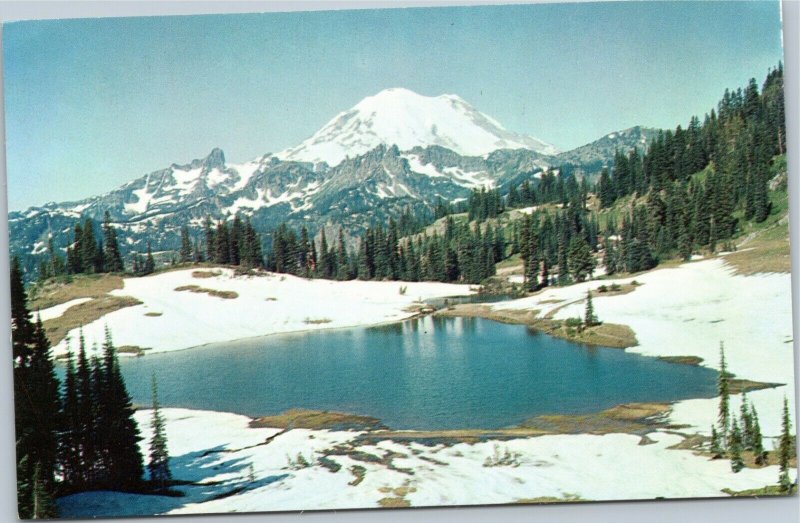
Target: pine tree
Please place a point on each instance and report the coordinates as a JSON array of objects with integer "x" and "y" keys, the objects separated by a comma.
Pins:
[
  {"x": 70, "y": 444},
  {"x": 158, "y": 465},
  {"x": 757, "y": 443},
  {"x": 589, "y": 318},
  {"x": 112, "y": 257},
  {"x": 723, "y": 389},
  {"x": 149, "y": 262},
  {"x": 716, "y": 445},
  {"x": 746, "y": 423},
  {"x": 186, "y": 245},
  {"x": 735, "y": 447},
  {"x": 42, "y": 506},
  {"x": 125, "y": 458},
  {"x": 580, "y": 261},
  {"x": 786, "y": 449}
]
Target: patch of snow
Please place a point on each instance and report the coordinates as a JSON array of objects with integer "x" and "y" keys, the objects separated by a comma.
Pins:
[
  {"x": 58, "y": 310},
  {"x": 428, "y": 169},
  {"x": 233, "y": 470},
  {"x": 688, "y": 311},
  {"x": 190, "y": 319}
]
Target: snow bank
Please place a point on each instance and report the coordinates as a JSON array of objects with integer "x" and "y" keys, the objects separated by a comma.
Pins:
[
  {"x": 688, "y": 311},
  {"x": 266, "y": 304},
  {"x": 58, "y": 310},
  {"x": 235, "y": 468}
]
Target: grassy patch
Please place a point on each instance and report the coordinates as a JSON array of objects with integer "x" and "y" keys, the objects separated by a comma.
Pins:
[
  {"x": 84, "y": 313},
  {"x": 316, "y": 321},
  {"x": 567, "y": 498},
  {"x": 632, "y": 418},
  {"x": 683, "y": 360},
  {"x": 226, "y": 295},
  {"x": 153, "y": 314},
  {"x": 604, "y": 335},
  {"x": 398, "y": 498},
  {"x": 315, "y": 419},
  {"x": 771, "y": 490},
  {"x": 131, "y": 349},
  {"x": 737, "y": 386},
  {"x": 394, "y": 502},
  {"x": 56, "y": 292},
  {"x": 763, "y": 251},
  {"x": 205, "y": 274},
  {"x": 358, "y": 473}
]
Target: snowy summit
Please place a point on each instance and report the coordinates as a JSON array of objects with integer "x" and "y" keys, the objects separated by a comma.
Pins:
[{"x": 404, "y": 118}]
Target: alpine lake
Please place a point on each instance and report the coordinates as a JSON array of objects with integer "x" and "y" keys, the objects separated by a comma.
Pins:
[{"x": 424, "y": 373}]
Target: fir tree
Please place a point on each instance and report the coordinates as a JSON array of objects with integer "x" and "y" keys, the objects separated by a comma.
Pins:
[
  {"x": 723, "y": 389},
  {"x": 125, "y": 463},
  {"x": 589, "y": 318},
  {"x": 716, "y": 448},
  {"x": 158, "y": 465},
  {"x": 112, "y": 257},
  {"x": 735, "y": 447},
  {"x": 186, "y": 245},
  {"x": 757, "y": 443},
  {"x": 786, "y": 449}
]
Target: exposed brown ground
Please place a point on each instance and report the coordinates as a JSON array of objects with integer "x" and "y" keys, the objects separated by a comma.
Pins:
[
  {"x": 84, "y": 313},
  {"x": 82, "y": 286}
]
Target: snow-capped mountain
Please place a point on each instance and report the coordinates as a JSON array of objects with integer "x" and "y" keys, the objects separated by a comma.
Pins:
[
  {"x": 392, "y": 151},
  {"x": 406, "y": 119}
]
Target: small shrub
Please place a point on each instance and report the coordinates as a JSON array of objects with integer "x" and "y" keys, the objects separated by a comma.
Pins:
[
  {"x": 573, "y": 322},
  {"x": 615, "y": 287},
  {"x": 403, "y": 289},
  {"x": 602, "y": 288}
]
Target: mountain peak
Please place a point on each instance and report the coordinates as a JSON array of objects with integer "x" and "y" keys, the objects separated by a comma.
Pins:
[
  {"x": 399, "y": 116},
  {"x": 215, "y": 159}
]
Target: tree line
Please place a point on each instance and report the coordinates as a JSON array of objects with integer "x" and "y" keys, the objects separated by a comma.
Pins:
[
  {"x": 737, "y": 141},
  {"x": 732, "y": 435},
  {"x": 462, "y": 252},
  {"x": 75, "y": 436}
]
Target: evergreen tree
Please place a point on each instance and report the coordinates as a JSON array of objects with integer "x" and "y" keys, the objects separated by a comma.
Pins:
[
  {"x": 158, "y": 465},
  {"x": 186, "y": 245},
  {"x": 735, "y": 447},
  {"x": 723, "y": 389},
  {"x": 112, "y": 257},
  {"x": 716, "y": 445},
  {"x": 580, "y": 261},
  {"x": 786, "y": 449},
  {"x": 589, "y": 318},
  {"x": 149, "y": 262},
  {"x": 125, "y": 458},
  {"x": 757, "y": 443}
]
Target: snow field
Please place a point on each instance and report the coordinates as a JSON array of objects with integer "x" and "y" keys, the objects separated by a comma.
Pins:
[{"x": 266, "y": 304}]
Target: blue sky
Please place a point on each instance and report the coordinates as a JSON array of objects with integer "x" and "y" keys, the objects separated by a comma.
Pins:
[{"x": 94, "y": 103}]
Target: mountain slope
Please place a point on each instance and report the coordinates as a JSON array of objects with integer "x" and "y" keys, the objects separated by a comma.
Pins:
[{"x": 406, "y": 119}]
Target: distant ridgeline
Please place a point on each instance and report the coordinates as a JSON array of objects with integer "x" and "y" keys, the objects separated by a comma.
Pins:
[{"x": 689, "y": 191}]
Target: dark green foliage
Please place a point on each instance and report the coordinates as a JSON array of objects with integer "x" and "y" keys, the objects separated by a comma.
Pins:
[
  {"x": 716, "y": 448},
  {"x": 723, "y": 389},
  {"x": 112, "y": 258},
  {"x": 186, "y": 245},
  {"x": 158, "y": 464},
  {"x": 580, "y": 263},
  {"x": 36, "y": 403},
  {"x": 123, "y": 459},
  {"x": 735, "y": 447},
  {"x": 484, "y": 204},
  {"x": 589, "y": 317},
  {"x": 786, "y": 449}
]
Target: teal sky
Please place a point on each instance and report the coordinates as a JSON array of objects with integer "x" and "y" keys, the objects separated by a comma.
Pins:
[{"x": 94, "y": 103}]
